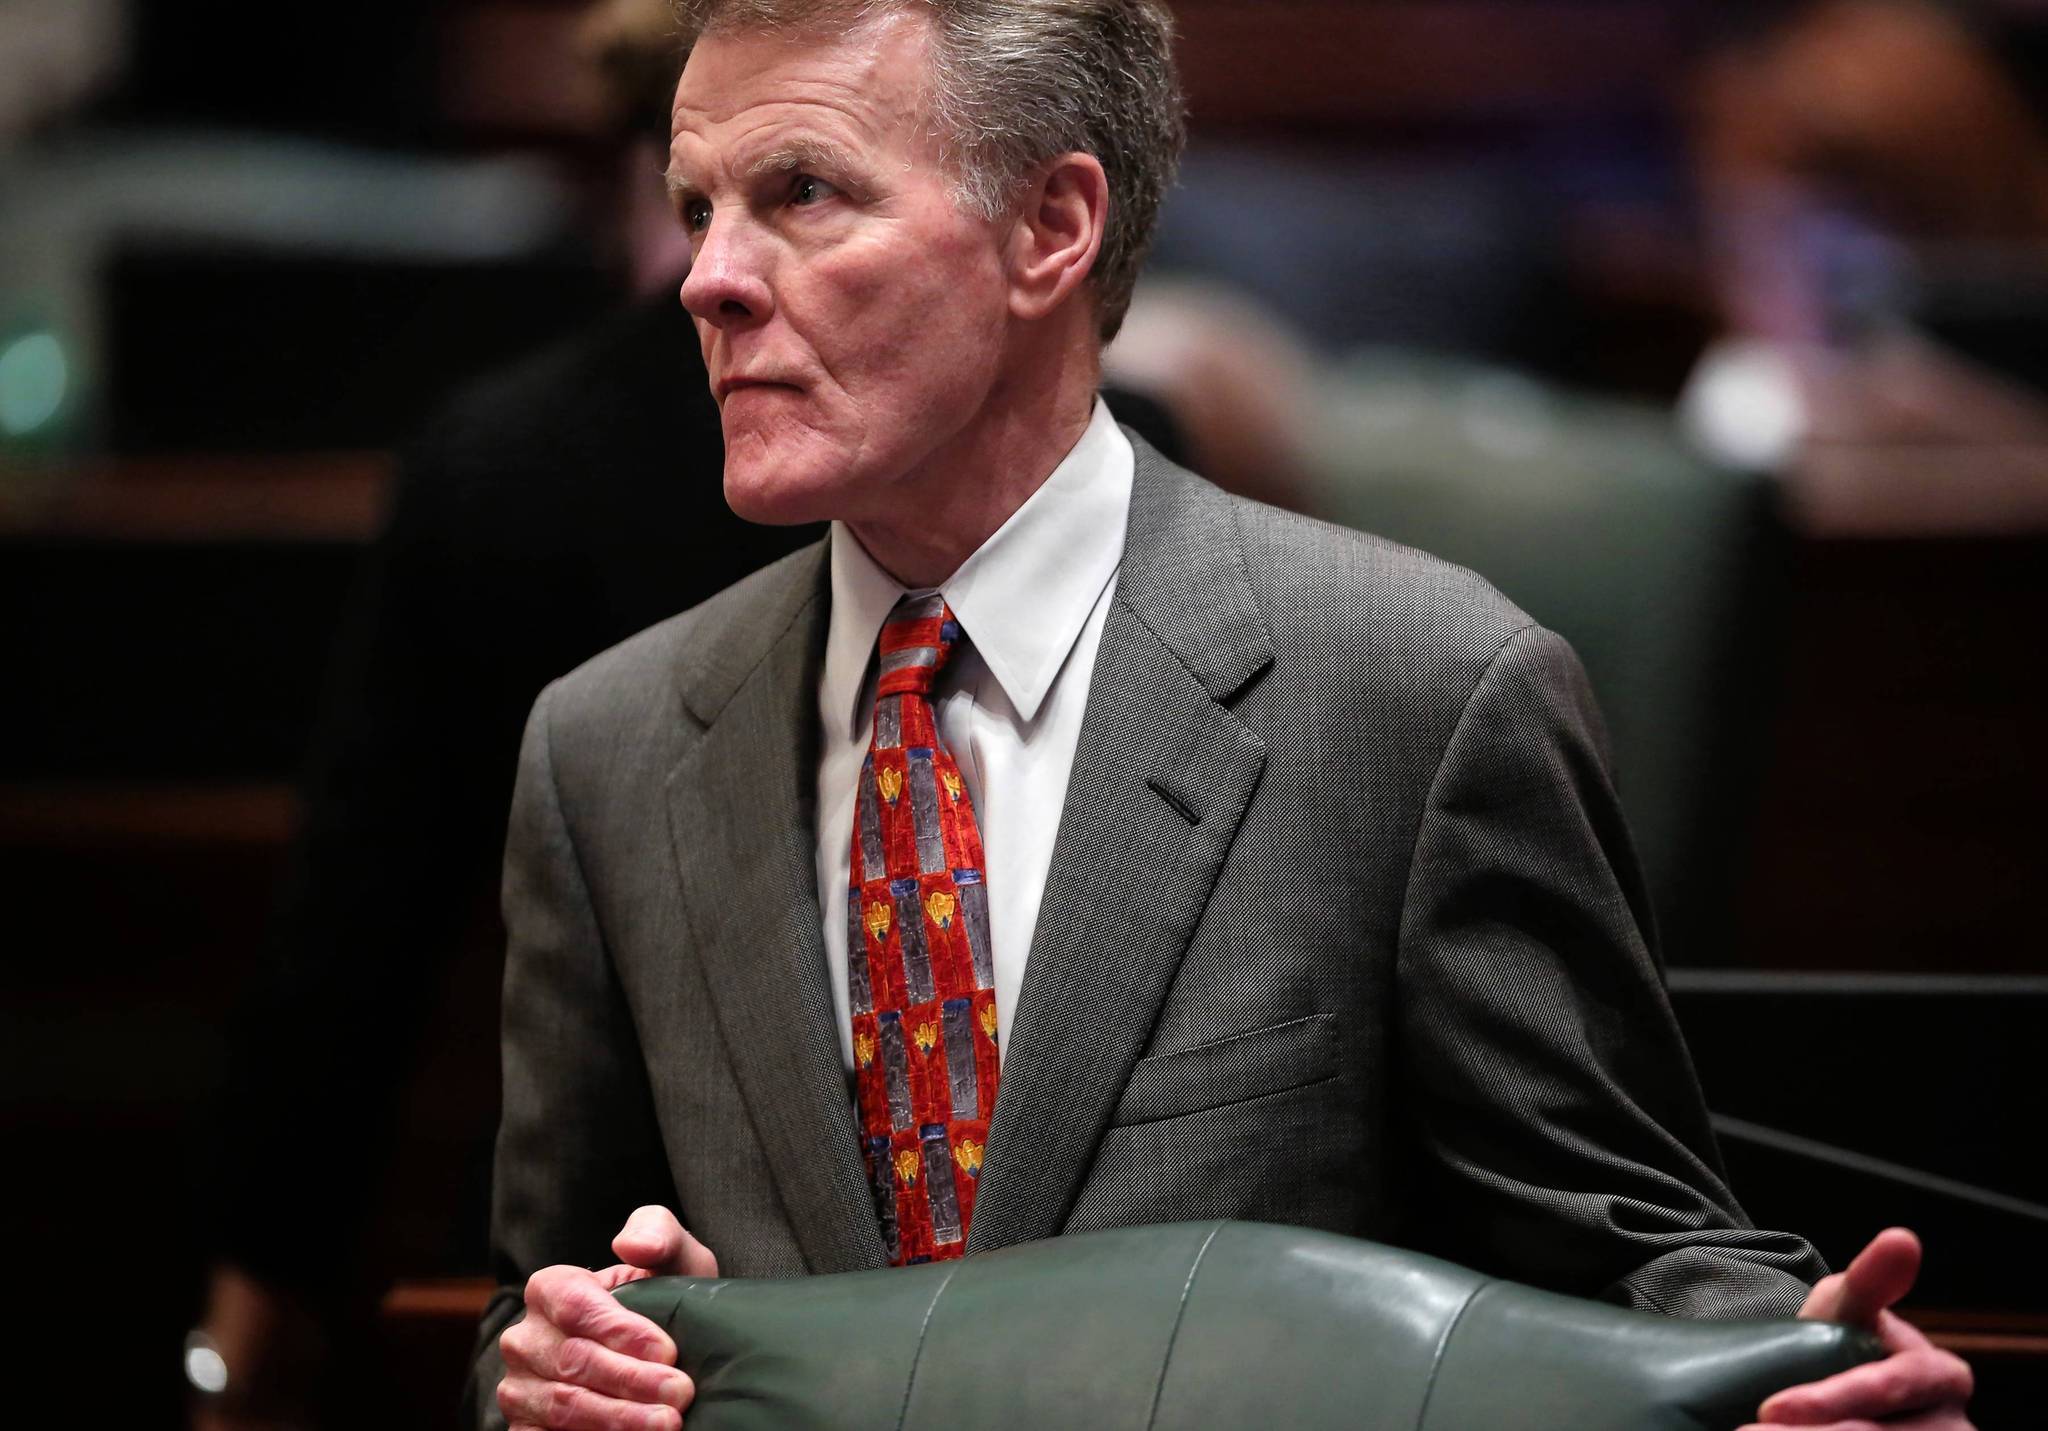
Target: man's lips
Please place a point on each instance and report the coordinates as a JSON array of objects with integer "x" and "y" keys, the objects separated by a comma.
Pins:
[{"x": 726, "y": 387}]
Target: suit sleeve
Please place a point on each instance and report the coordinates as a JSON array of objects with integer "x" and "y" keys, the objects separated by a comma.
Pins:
[
  {"x": 1565, "y": 1134},
  {"x": 578, "y": 1146}
]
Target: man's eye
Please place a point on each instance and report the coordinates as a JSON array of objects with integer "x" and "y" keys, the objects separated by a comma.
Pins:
[
  {"x": 697, "y": 216},
  {"x": 809, "y": 189}
]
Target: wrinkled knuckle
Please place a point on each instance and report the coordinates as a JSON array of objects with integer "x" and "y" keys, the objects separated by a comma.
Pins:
[
  {"x": 516, "y": 1344},
  {"x": 546, "y": 1284},
  {"x": 563, "y": 1402},
  {"x": 578, "y": 1309},
  {"x": 617, "y": 1326},
  {"x": 575, "y": 1359},
  {"x": 626, "y": 1339},
  {"x": 651, "y": 1346},
  {"x": 515, "y": 1398}
]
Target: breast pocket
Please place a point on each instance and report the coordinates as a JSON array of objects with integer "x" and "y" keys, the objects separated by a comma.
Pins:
[{"x": 1232, "y": 1070}]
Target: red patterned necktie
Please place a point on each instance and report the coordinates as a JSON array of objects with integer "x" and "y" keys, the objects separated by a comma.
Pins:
[{"x": 918, "y": 966}]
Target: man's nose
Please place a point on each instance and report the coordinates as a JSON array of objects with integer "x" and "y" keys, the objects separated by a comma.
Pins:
[{"x": 727, "y": 284}]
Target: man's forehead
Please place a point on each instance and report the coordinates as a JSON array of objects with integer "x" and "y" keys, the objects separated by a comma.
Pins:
[{"x": 869, "y": 77}]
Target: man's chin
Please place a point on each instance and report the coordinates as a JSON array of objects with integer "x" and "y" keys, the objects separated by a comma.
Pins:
[
  {"x": 773, "y": 500},
  {"x": 782, "y": 474}
]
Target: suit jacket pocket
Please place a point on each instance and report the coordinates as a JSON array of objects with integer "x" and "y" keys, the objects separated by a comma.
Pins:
[{"x": 1232, "y": 1070}]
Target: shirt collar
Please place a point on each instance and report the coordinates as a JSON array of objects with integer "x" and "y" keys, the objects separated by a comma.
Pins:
[{"x": 1025, "y": 594}]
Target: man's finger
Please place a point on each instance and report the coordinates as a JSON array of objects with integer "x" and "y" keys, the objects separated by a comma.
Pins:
[
  {"x": 1882, "y": 1273},
  {"x": 1932, "y": 1421},
  {"x": 697, "y": 1259},
  {"x": 527, "y": 1343},
  {"x": 613, "y": 1278},
  {"x": 1920, "y": 1380},
  {"x": 1897, "y": 1334},
  {"x": 576, "y": 1303},
  {"x": 652, "y": 1238},
  {"x": 596, "y": 1367},
  {"x": 559, "y": 1406}
]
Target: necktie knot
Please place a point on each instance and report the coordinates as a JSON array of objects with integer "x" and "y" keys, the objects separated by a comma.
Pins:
[{"x": 916, "y": 640}]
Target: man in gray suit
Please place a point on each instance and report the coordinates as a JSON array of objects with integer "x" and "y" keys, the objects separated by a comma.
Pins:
[{"x": 1308, "y": 896}]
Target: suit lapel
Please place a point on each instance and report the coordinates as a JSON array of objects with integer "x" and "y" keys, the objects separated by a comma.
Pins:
[
  {"x": 1161, "y": 778},
  {"x": 741, "y": 822}
]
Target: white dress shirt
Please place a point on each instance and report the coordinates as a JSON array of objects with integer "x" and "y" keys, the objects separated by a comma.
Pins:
[{"x": 1031, "y": 602}]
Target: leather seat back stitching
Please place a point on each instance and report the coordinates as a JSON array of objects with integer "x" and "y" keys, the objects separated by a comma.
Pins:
[
  {"x": 917, "y": 1358},
  {"x": 1443, "y": 1346},
  {"x": 1187, "y": 1289}
]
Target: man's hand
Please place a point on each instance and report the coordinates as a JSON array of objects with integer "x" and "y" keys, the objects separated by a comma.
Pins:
[
  {"x": 578, "y": 1361},
  {"x": 1918, "y": 1387}
]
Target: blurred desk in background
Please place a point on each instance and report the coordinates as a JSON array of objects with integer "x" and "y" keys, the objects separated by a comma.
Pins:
[
  {"x": 1847, "y": 491},
  {"x": 314, "y": 497},
  {"x": 1898, "y": 825}
]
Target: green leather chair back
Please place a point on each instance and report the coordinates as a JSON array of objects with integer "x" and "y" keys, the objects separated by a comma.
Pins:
[
  {"x": 1195, "y": 1326},
  {"x": 1592, "y": 516}
]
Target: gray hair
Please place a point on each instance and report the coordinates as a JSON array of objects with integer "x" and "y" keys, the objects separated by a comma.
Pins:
[{"x": 1016, "y": 83}]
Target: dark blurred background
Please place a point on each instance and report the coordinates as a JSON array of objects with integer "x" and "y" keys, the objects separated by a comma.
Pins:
[{"x": 1716, "y": 334}]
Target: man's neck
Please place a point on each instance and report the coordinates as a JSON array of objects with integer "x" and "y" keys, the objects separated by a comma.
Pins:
[{"x": 1023, "y": 432}]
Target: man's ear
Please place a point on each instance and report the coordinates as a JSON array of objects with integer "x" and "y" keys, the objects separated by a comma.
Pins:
[{"x": 1057, "y": 234}]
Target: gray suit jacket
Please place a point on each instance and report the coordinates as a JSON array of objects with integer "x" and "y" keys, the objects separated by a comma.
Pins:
[{"x": 1342, "y": 929}]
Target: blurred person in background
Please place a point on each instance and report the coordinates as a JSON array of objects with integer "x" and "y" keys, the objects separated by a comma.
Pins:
[
  {"x": 1871, "y": 184},
  {"x": 1873, "y": 176},
  {"x": 551, "y": 511},
  {"x": 61, "y": 53}
]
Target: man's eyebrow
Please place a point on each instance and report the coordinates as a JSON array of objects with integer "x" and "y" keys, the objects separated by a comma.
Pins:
[
  {"x": 680, "y": 189},
  {"x": 789, "y": 157},
  {"x": 804, "y": 152}
]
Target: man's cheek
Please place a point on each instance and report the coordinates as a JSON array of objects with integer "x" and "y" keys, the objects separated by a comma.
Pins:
[{"x": 863, "y": 287}]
